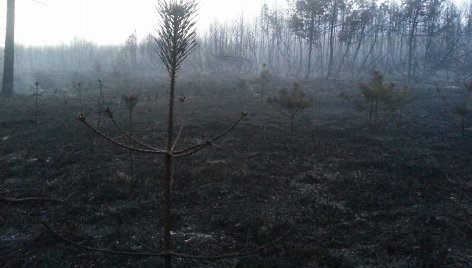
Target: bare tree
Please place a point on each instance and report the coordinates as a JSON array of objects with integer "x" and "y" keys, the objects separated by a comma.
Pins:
[
  {"x": 305, "y": 22},
  {"x": 334, "y": 7},
  {"x": 131, "y": 47}
]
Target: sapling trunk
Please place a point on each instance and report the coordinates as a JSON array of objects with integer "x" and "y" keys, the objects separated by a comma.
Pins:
[
  {"x": 79, "y": 85},
  {"x": 130, "y": 100},
  {"x": 168, "y": 172},
  {"x": 131, "y": 160},
  {"x": 291, "y": 121},
  {"x": 101, "y": 102},
  {"x": 36, "y": 112},
  {"x": 463, "y": 125}
]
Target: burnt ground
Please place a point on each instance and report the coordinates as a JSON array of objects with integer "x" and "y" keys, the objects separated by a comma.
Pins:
[{"x": 401, "y": 197}]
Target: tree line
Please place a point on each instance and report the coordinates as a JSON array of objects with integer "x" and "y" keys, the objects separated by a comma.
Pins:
[{"x": 412, "y": 39}]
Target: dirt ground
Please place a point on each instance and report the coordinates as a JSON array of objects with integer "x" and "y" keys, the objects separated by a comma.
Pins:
[{"x": 401, "y": 197}]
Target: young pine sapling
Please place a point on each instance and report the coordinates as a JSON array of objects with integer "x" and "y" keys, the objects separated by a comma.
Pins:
[
  {"x": 462, "y": 109},
  {"x": 130, "y": 101},
  {"x": 36, "y": 107},
  {"x": 377, "y": 96},
  {"x": 100, "y": 103},
  {"x": 79, "y": 89},
  {"x": 291, "y": 101},
  {"x": 263, "y": 80}
]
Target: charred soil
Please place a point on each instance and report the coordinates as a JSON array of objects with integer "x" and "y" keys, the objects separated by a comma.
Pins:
[{"x": 401, "y": 197}]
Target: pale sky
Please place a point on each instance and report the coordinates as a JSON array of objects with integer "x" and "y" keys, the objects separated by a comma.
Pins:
[{"x": 47, "y": 22}]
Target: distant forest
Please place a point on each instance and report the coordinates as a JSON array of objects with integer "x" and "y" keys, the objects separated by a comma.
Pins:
[{"x": 412, "y": 39}]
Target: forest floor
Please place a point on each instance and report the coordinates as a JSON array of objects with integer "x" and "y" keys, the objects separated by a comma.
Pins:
[{"x": 401, "y": 197}]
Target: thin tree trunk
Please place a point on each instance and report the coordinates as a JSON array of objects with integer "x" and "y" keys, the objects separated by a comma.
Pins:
[
  {"x": 331, "y": 50},
  {"x": 310, "y": 51},
  {"x": 343, "y": 57},
  {"x": 371, "y": 49},
  {"x": 411, "y": 47},
  {"x": 310, "y": 45},
  {"x": 300, "y": 54},
  {"x": 131, "y": 159},
  {"x": 168, "y": 170},
  {"x": 331, "y": 39},
  {"x": 291, "y": 121},
  {"x": 410, "y": 55},
  {"x": 9, "y": 51},
  {"x": 361, "y": 39}
]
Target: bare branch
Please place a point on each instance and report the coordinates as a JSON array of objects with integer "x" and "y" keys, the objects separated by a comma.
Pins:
[
  {"x": 200, "y": 146},
  {"x": 162, "y": 253},
  {"x": 130, "y": 137},
  {"x": 236, "y": 254},
  {"x": 103, "y": 250},
  {"x": 178, "y": 136},
  {"x": 81, "y": 118},
  {"x": 27, "y": 199}
]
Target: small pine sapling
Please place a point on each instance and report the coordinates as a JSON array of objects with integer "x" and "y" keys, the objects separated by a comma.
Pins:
[
  {"x": 378, "y": 96},
  {"x": 292, "y": 101},
  {"x": 241, "y": 86},
  {"x": 263, "y": 80},
  {"x": 462, "y": 108},
  {"x": 36, "y": 107},
  {"x": 79, "y": 89},
  {"x": 130, "y": 101},
  {"x": 101, "y": 102}
]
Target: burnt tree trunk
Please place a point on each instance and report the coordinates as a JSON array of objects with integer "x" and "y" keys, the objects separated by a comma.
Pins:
[{"x": 9, "y": 56}]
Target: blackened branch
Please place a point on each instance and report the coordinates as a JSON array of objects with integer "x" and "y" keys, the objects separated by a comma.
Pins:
[
  {"x": 162, "y": 253},
  {"x": 236, "y": 254},
  {"x": 200, "y": 146},
  {"x": 130, "y": 137},
  {"x": 178, "y": 136},
  {"x": 29, "y": 199},
  {"x": 81, "y": 118},
  {"x": 103, "y": 250}
]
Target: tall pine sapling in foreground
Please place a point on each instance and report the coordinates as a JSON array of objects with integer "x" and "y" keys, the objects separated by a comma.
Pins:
[
  {"x": 292, "y": 101},
  {"x": 176, "y": 39},
  {"x": 378, "y": 97}
]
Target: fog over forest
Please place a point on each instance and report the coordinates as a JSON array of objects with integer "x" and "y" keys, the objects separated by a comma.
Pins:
[{"x": 413, "y": 39}]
